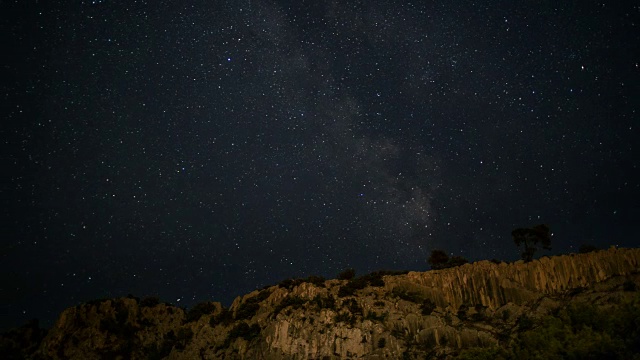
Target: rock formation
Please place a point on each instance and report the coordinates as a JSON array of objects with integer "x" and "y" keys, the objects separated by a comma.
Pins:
[{"x": 415, "y": 315}]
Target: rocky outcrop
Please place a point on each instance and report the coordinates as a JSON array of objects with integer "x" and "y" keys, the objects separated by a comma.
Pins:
[
  {"x": 414, "y": 315},
  {"x": 494, "y": 285}
]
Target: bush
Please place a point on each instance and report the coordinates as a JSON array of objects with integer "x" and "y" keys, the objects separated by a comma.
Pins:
[
  {"x": 224, "y": 317},
  {"x": 245, "y": 331},
  {"x": 480, "y": 313},
  {"x": 295, "y": 302},
  {"x": 150, "y": 301},
  {"x": 250, "y": 307},
  {"x": 347, "y": 274},
  {"x": 199, "y": 310},
  {"x": 629, "y": 286},
  {"x": 427, "y": 307},
  {"x": 505, "y": 315},
  {"x": 524, "y": 323},
  {"x": 438, "y": 259},
  {"x": 353, "y": 307},
  {"x": 585, "y": 248},
  {"x": 372, "y": 279},
  {"x": 292, "y": 283},
  {"x": 289, "y": 284},
  {"x": 407, "y": 295},
  {"x": 492, "y": 353},
  {"x": 373, "y": 316},
  {"x": 382, "y": 342},
  {"x": 324, "y": 302},
  {"x": 376, "y": 278},
  {"x": 242, "y": 330},
  {"x": 352, "y": 286},
  {"x": 247, "y": 310},
  {"x": 457, "y": 261},
  {"x": 462, "y": 311},
  {"x": 183, "y": 337},
  {"x": 345, "y": 317},
  {"x": 262, "y": 296},
  {"x": 315, "y": 280}
]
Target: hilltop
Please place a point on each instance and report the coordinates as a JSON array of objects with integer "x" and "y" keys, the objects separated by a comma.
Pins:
[{"x": 480, "y": 310}]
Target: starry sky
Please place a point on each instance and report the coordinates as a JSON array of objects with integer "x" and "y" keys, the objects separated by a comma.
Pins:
[{"x": 198, "y": 150}]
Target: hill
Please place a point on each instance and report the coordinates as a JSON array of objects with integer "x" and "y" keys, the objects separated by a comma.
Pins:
[{"x": 578, "y": 305}]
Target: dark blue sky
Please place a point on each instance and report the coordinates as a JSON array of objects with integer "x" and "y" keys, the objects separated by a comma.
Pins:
[{"x": 197, "y": 150}]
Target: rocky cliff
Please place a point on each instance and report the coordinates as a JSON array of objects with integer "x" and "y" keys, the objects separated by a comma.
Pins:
[{"x": 430, "y": 314}]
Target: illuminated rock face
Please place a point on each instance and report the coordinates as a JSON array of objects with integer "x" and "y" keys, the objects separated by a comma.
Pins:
[
  {"x": 475, "y": 305},
  {"x": 494, "y": 285}
]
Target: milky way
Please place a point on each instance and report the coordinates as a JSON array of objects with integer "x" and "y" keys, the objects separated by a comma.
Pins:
[{"x": 198, "y": 150}]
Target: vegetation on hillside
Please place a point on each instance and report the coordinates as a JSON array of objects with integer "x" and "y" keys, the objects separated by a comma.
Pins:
[{"x": 578, "y": 331}]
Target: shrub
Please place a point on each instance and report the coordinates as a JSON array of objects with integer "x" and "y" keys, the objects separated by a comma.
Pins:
[
  {"x": 345, "y": 317},
  {"x": 407, "y": 295},
  {"x": 97, "y": 301},
  {"x": 242, "y": 330},
  {"x": 376, "y": 278},
  {"x": 480, "y": 314},
  {"x": 262, "y": 296},
  {"x": 397, "y": 331},
  {"x": 352, "y": 286},
  {"x": 524, "y": 323},
  {"x": 492, "y": 353},
  {"x": 438, "y": 259},
  {"x": 462, "y": 311},
  {"x": 585, "y": 248},
  {"x": 224, "y": 317},
  {"x": 457, "y": 261},
  {"x": 295, "y": 302},
  {"x": 196, "y": 312},
  {"x": 505, "y": 315},
  {"x": 347, "y": 274},
  {"x": 353, "y": 307},
  {"x": 291, "y": 283},
  {"x": 427, "y": 307},
  {"x": 245, "y": 331},
  {"x": 629, "y": 286},
  {"x": 183, "y": 337},
  {"x": 324, "y": 302},
  {"x": 382, "y": 342},
  {"x": 373, "y": 316},
  {"x": 577, "y": 290},
  {"x": 150, "y": 301},
  {"x": 247, "y": 310},
  {"x": 315, "y": 280}
]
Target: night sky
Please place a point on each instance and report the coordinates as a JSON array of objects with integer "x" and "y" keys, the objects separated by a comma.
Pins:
[{"x": 198, "y": 150}]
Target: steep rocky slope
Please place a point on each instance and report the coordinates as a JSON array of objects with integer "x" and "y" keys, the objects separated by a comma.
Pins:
[{"x": 430, "y": 314}]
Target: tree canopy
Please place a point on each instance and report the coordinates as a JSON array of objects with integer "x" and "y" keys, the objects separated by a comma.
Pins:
[
  {"x": 530, "y": 237},
  {"x": 440, "y": 260}
]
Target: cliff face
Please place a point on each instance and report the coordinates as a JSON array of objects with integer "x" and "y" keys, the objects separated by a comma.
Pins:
[
  {"x": 418, "y": 315},
  {"x": 494, "y": 285}
]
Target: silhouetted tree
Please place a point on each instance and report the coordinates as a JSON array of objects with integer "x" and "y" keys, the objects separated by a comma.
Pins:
[
  {"x": 438, "y": 260},
  {"x": 586, "y": 248},
  {"x": 348, "y": 274},
  {"x": 530, "y": 237}
]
